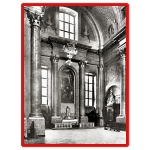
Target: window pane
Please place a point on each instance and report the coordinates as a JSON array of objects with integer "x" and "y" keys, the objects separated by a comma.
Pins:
[
  {"x": 61, "y": 25},
  {"x": 71, "y": 19},
  {"x": 44, "y": 82},
  {"x": 86, "y": 78},
  {"x": 90, "y": 79},
  {"x": 44, "y": 100},
  {"x": 71, "y": 36},
  {"x": 90, "y": 102},
  {"x": 86, "y": 102},
  {"x": 66, "y": 27},
  {"x": 66, "y": 18},
  {"x": 86, "y": 94},
  {"x": 90, "y": 94},
  {"x": 90, "y": 87},
  {"x": 86, "y": 86},
  {"x": 66, "y": 35},
  {"x": 61, "y": 33},
  {"x": 44, "y": 73},
  {"x": 44, "y": 91},
  {"x": 71, "y": 28},
  {"x": 61, "y": 16}
]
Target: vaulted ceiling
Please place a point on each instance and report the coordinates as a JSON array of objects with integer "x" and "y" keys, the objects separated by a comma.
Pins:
[{"x": 104, "y": 16}]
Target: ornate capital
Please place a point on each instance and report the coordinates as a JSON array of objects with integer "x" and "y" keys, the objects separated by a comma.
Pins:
[
  {"x": 82, "y": 64},
  {"x": 100, "y": 67},
  {"x": 100, "y": 52},
  {"x": 54, "y": 59},
  {"x": 35, "y": 15},
  {"x": 122, "y": 50}
]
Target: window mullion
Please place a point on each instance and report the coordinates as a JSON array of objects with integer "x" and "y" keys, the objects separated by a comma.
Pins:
[
  {"x": 74, "y": 28},
  {"x": 47, "y": 86},
  {"x": 92, "y": 90},
  {"x": 69, "y": 26},
  {"x": 88, "y": 90},
  {"x": 64, "y": 24}
]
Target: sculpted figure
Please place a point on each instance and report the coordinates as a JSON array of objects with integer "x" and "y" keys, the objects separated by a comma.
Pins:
[{"x": 111, "y": 98}]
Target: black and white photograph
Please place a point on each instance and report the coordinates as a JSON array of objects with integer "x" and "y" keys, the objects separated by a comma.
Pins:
[{"x": 75, "y": 74}]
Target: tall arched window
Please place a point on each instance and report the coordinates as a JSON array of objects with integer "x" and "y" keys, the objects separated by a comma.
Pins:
[
  {"x": 68, "y": 23},
  {"x": 90, "y": 89}
]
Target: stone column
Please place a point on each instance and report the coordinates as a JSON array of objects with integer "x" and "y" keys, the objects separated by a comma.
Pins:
[
  {"x": 35, "y": 14},
  {"x": 101, "y": 90},
  {"x": 82, "y": 117},
  {"x": 55, "y": 87},
  {"x": 122, "y": 116}
]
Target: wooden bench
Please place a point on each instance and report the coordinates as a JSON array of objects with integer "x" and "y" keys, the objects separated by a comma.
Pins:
[{"x": 117, "y": 126}]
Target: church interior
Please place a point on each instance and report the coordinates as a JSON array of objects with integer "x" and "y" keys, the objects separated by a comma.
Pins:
[{"x": 74, "y": 73}]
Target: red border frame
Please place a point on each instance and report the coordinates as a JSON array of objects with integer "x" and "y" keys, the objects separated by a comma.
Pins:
[{"x": 127, "y": 75}]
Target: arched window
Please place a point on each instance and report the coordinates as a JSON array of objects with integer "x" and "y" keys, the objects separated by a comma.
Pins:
[
  {"x": 68, "y": 23},
  {"x": 90, "y": 89},
  {"x": 44, "y": 71}
]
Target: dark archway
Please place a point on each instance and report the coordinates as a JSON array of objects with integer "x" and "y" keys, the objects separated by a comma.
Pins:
[{"x": 111, "y": 105}]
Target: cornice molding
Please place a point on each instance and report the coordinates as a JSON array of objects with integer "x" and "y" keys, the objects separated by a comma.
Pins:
[
  {"x": 115, "y": 39},
  {"x": 63, "y": 42}
]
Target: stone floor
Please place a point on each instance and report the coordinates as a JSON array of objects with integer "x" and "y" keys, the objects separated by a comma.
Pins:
[{"x": 81, "y": 136}]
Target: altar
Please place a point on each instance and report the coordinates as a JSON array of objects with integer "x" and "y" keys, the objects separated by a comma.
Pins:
[
  {"x": 72, "y": 121},
  {"x": 68, "y": 118}
]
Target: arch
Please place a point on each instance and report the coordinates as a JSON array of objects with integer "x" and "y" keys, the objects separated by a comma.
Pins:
[
  {"x": 115, "y": 90},
  {"x": 72, "y": 105},
  {"x": 97, "y": 27},
  {"x": 110, "y": 85},
  {"x": 67, "y": 66}
]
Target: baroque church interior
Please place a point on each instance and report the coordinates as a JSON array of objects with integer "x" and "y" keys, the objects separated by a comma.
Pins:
[{"x": 74, "y": 69}]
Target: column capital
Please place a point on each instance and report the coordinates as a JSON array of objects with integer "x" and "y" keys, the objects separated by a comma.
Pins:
[
  {"x": 99, "y": 52},
  {"x": 54, "y": 59},
  {"x": 122, "y": 50},
  {"x": 82, "y": 64},
  {"x": 35, "y": 14},
  {"x": 100, "y": 67}
]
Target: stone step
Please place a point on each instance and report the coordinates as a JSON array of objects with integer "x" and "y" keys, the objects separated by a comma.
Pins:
[
  {"x": 86, "y": 125},
  {"x": 62, "y": 125}
]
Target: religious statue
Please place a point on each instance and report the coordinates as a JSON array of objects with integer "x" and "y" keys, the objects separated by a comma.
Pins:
[
  {"x": 68, "y": 112},
  {"x": 111, "y": 98}
]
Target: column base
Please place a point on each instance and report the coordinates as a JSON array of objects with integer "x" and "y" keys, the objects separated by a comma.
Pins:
[
  {"x": 83, "y": 119},
  {"x": 25, "y": 127},
  {"x": 56, "y": 119},
  {"x": 121, "y": 119},
  {"x": 100, "y": 122},
  {"x": 39, "y": 125}
]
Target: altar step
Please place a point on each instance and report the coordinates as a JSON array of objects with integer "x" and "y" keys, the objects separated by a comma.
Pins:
[
  {"x": 87, "y": 125},
  {"x": 62, "y": 126}
]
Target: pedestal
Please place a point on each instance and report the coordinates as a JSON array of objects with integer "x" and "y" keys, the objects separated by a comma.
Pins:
[
  {"x": 83, "y": 119},
  {"x": 100, "y": 121},
  {"x": 121, "y": 119},
  {"x": 56, "y": 119},
  {"x": 39, "y": 125}
]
